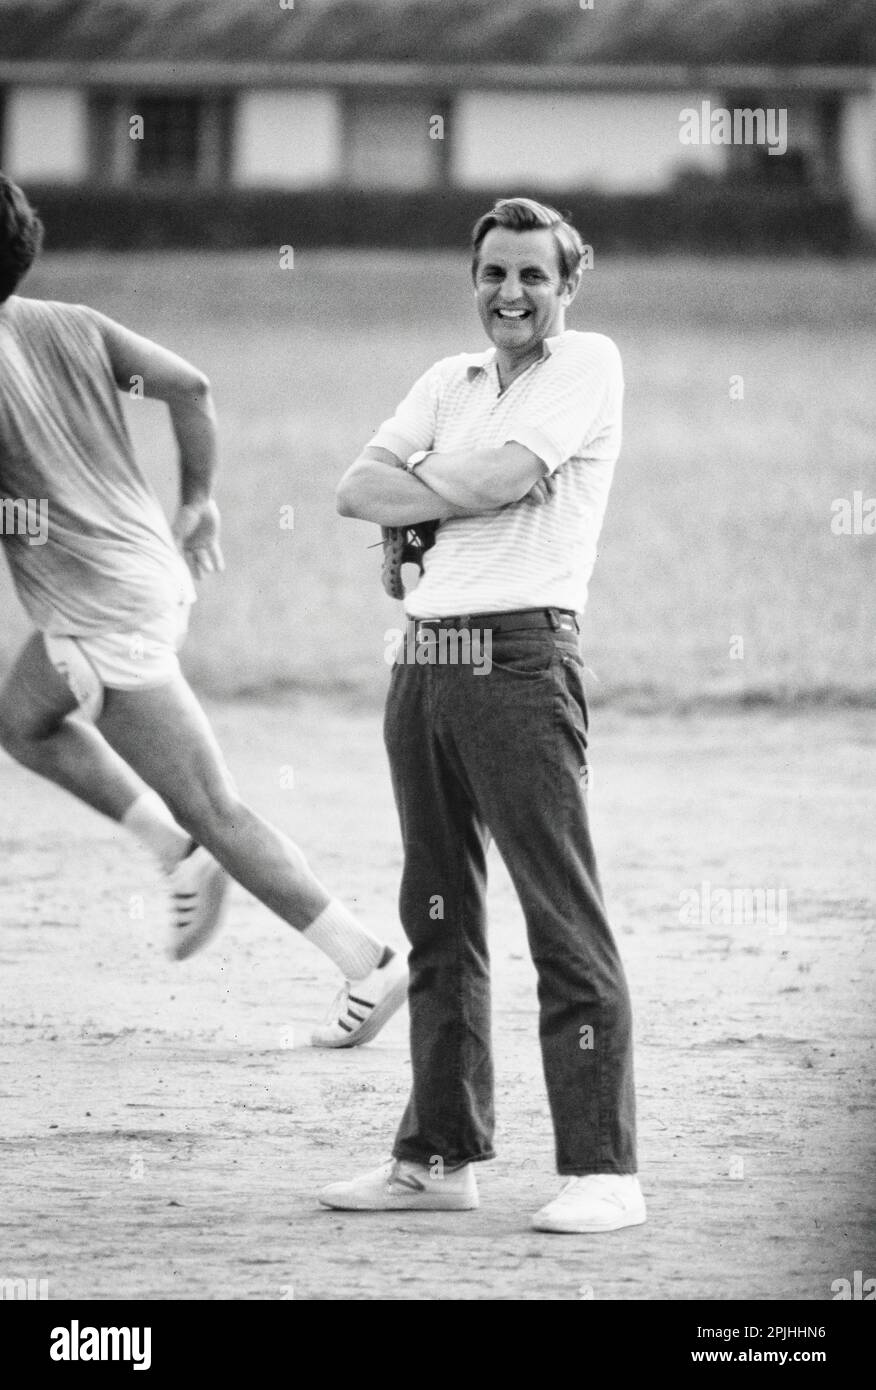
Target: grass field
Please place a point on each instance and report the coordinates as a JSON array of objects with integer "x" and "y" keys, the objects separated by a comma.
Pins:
[{"x": 719, "y": 525}]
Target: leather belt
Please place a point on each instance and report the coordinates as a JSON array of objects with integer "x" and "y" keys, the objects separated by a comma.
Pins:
[{"x": 554, "y": 619}]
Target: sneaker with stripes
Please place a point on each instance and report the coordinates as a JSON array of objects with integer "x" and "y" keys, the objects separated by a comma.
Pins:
[
  {"x": 362, "y": 1007},
  {"x": 198, "y": 887},
  {"x": 403, "y": 1186}
]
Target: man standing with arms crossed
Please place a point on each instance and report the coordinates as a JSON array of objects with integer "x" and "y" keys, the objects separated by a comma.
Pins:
[
  {"x": 479, "y": 438},
  {"x": 109, "y": 595}
]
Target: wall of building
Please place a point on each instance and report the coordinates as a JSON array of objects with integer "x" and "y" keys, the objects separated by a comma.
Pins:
[
  {"x": 616, "y": 142},
  {"x": 387, "y": 142},
  {"x": 286, "y": 139},
  {"x": 857, "y": 150},
  {"x": 46, "y": 134}
]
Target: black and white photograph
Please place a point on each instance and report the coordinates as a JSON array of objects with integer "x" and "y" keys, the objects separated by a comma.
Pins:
[{"x": 438, "y": 663}]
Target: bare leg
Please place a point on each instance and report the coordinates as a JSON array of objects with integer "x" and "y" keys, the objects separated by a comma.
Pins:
[
  {"x": 164, "y": 735},
  {"x": 161, "y": 739},
  {"x": 35, "y": 730}
]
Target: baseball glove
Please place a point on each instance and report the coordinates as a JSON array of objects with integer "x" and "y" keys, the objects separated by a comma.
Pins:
[{"x": 404, "y": 545}]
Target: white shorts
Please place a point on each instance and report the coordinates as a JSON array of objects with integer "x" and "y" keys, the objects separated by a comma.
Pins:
[{"x": 140, "y": 660}]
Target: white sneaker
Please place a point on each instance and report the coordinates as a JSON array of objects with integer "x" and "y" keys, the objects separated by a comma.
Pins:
[
  {"x": 198, "y": 888},
  {"x": 361, "y": 1008},
  {"x": 597, "y": 1202},
  {"x": 403, "y": 1186}
]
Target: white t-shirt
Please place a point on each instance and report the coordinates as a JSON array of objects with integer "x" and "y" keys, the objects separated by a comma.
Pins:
[
  {"x": 109, "y": 562},
  {"x": 566, "y": 408}
]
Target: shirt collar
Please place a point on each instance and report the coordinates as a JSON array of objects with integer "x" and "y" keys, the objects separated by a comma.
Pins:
[{"x": 486, "y": 360}]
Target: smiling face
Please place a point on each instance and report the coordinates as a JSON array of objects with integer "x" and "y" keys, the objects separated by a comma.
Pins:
[{"x": 520, "y": 293}]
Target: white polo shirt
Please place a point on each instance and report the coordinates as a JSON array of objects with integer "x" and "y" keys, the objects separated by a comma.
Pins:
[{"x": 566, "y": 408}]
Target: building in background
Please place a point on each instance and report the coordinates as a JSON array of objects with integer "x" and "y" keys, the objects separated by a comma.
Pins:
[{"x": 410, "y": 96}]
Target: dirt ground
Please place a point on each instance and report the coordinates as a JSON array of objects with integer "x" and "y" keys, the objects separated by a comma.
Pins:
[{"x": 166, "y": 1127}]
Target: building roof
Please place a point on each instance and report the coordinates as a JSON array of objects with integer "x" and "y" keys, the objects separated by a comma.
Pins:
[{"x": 423, "y": 32}]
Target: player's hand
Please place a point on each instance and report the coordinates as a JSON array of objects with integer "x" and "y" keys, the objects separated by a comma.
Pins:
[
  {"x": 542, "y": 491},
  {"x": 196, "y": 532}
]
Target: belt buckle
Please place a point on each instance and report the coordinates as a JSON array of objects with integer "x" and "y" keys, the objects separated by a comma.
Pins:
[{"x": 567, "y": 622}]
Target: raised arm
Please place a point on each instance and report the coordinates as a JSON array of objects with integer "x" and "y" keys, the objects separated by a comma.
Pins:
[{"x": 186, "y": 392}]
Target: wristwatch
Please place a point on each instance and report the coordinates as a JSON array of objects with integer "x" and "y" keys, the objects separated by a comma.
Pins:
[{"x": 416, "y": 459}]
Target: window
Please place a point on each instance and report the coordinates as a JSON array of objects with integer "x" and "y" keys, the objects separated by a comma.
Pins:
[
  {"x": 143, "y": 137},
  {"x": 171, "y": 137}
]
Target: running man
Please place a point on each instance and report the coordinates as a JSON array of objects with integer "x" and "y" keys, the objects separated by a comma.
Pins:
[
  {"x": 109, "y": 595},
  {"x": 479, "y": 439}
]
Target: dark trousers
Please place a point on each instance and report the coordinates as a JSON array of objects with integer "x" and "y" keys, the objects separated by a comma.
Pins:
[{"x": 503, "y": 753}]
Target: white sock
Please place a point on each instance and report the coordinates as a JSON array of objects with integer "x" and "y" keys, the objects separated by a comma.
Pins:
[
  {"x": 338, "y": 935},
  {"x": 149, "y": 819}
]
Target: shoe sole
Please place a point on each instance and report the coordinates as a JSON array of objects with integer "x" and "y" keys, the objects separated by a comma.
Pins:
[
  {"x": 216, "y": 892},
  {"x": 379, "y": 1016},
  {"x": 560, "y": 1227},
  {"x": 400, "y": 1204}
]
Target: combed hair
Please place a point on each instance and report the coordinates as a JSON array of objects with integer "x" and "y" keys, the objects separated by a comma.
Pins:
[
  {"x": 526, "y": 215},
  {"x": 21, "y": 236}
]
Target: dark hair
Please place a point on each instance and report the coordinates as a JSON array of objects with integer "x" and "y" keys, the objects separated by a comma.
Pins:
[
  {"x": 526, "y": 215},
  {"x": 21, "y": 236}
]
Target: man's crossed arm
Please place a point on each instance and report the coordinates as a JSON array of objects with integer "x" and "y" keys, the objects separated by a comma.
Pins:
[{"x": 464, "y": 482}]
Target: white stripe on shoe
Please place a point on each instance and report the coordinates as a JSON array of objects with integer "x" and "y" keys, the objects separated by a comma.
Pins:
[
  {"x": 360, "y": 1009},
  {"x": 199, "y": 887}
]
